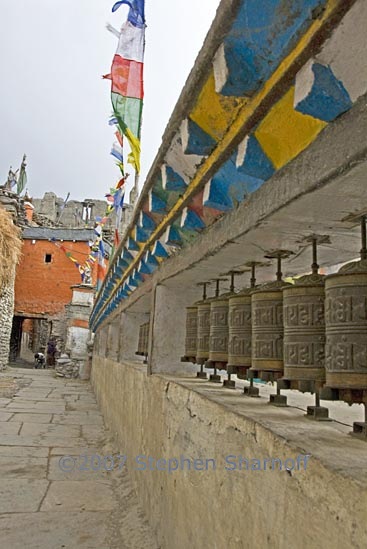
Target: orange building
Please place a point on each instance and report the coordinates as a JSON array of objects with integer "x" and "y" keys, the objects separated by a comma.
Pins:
[{"x": 43, "y": 286}]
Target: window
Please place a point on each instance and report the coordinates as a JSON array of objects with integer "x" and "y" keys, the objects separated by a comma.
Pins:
[{"x": 48, "y": 258}]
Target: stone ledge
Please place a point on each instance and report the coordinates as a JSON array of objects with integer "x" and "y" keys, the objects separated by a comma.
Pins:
[{"x": 166, "y": 416}]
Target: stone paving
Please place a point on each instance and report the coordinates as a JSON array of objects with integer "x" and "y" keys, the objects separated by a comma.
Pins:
[{"x": 42, "y": 419}]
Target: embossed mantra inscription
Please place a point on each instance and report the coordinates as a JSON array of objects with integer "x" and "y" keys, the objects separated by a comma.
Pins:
[
  {"x": 239, "y": 330},
  {"x": 346, "y": 330},
  {"x": 203, "y": 331},
  {"x": 218, "y": 340},
  {"x": 267, "y": 330},
  {"x": 304, "y": 333},
  {"x": 191, "y": 331}
]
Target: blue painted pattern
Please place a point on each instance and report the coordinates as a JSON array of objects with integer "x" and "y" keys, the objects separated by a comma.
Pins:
[
  {"x": 327, "y": 98},
  {"x": 260, "y": 38}
]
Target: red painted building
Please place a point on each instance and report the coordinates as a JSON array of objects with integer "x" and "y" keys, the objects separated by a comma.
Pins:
[{"x": 43, "y": 285}]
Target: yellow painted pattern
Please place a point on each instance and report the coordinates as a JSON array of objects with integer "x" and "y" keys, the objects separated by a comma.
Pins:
[
  {"x": 284, "y": 132},
  {"x": 215, "y": 120}
]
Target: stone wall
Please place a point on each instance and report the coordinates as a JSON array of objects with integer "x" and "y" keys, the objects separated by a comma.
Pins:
[
  {"x": 166, "y": 417},
  {"x": 6, "y": 320},
  {"x": 78, "y": 334}
]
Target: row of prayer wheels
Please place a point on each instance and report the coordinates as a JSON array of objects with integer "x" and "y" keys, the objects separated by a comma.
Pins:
[{"x": 310, "y": 335}]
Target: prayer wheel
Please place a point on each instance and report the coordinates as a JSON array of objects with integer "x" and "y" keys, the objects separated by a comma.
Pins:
[
  {"x": 192, "y": 342},
  {"x": 219, "y": 333},
  {"x": 143, "y": 340},
  {"x": 239, "y": 333},
  {"x": 140, "y": 350},
  {"x": 203, "y": 331},
  {"x": 218, "y": 338},
  {"x": 268, "y": 330},
  {"x": 304, "y": 329},
  {"x": 304, "y": 336},
  {"x": 346, "y": 327},
  {"x": 146, "y": 339},
  {"x": 346, "y": 333},
  {"x": 191, "y": 334}
]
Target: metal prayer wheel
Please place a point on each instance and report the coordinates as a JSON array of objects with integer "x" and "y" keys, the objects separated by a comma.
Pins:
[
  {"x": 203, "y": 327},
  {"x": 193, "y": 339},
  {"x": 240, "y": 329},
  {"x": 146, "y": 339},
  {"x": 203, "y": 330},
  {"x": 268, "y": 330},
  {"x": 218, "y": 339},
  {"x": 218, "y": 332},
  {"x": 239, "y": 333},
  {"x": 304, "y": 331},
  {"x": 346, "y": 327},
  {"x": 191, "y": 334},
  {"x": 140, "y": 350},
  {"x": 143, "y": 340},
  {"x": 304, "y": 335},
  {"x": 346, "y": 324},
  {"x": 346, "y": 333},
  {"x": 304, "y": 328}
]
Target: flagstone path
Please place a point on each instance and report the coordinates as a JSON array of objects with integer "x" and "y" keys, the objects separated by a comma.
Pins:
[{"x": 43, "y": 419}]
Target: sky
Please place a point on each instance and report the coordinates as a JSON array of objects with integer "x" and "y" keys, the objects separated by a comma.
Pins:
[{"x": 54, "y": 104}]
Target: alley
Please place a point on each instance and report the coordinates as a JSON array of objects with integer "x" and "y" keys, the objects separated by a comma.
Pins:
[{"x": 42, "y": 419}]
